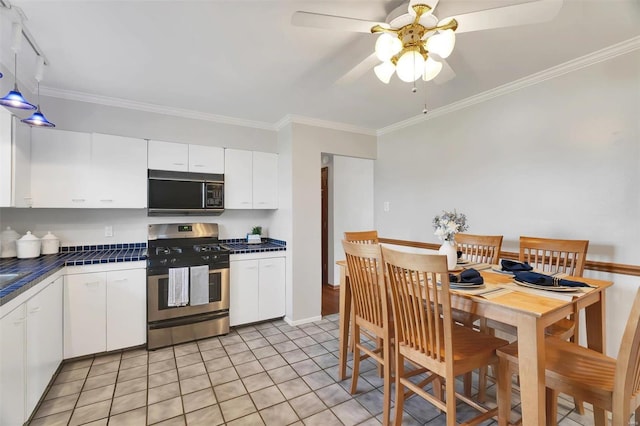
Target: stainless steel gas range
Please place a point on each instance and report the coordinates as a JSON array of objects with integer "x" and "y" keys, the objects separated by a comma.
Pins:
[{"x": 187, "y": 284}]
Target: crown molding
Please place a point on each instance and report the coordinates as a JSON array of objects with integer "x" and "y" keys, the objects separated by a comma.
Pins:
[
  {"x": 158, "y": 109},
  {"x": 300, "y": 119},
  {"x": 602, "y": 55}
]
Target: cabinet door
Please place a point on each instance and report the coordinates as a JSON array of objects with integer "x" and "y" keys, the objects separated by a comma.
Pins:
[
  {"x": 272, "y": 288},
  {"x": 85, "y": 322},
  {"x": 168, "y": 156},
  {"x": 243, "y": 292},
  {"x": 60, "y": 168},
  {"x": 206, "y": 159},
  {"x": 126, "y": 308},
  {"x": 119, "y": 169},
  {"x": 12, "y": 367},
  {"x": 265, "y": 180},
  {"x": 238, "y": 185},
  {"x": 21, "y": 160},
  {"x": 44, "y": 340}
]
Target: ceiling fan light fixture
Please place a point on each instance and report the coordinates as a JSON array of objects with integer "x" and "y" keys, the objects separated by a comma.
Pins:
[
  {"x": 387, "y": 45},
  {"x": 431, "y": 69},
  {"x": 410, "y": 66},
  {"x": 384, "y": 71},
  {"x": 442, "y": 44}
]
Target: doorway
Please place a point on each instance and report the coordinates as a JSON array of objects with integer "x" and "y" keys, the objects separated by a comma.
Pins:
[{"x": 330, "y": 296}]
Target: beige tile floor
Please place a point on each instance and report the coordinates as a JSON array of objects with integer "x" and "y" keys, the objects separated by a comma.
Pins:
[{"x": 269, "y": 373}]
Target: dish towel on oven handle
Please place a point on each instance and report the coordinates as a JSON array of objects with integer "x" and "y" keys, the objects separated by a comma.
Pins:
[
  {"x": 546, "y": 280},
  {"x": 178, "y": 288},
  {"x": 199, "y": 291}
]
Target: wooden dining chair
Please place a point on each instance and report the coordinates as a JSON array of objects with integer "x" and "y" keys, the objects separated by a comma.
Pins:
[
  {"x": 363, "y": 237},
  {"x": 609, "y": 384},
  {"x": 371, "y": 313},
  {"x": 480, "y": 248},
  {"x": 427, "y": 336}
]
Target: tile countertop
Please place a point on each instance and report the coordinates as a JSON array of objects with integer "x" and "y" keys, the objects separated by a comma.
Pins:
[{"x": 35, "y": 270}]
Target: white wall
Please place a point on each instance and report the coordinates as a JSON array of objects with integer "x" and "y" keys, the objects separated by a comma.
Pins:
[
  {"x": 559, "y": 159},
  {"x": 307, "y": 144},
  {"x": 352, "y": 204}
]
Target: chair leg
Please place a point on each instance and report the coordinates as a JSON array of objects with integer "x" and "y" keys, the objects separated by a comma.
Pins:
[
  {"x": 504, "y": 392},
  {"x": 600, "y": 416},
  {"x": 551, "y": 404},
  {"x": 399, "y": 389},
  {"x": 482, "y": 384},
  {"x": 386, "y": 407},
  {"x": 467, "y": 381},
  {"x": 450, "y": 390},
  {"x": 380, "y": 344},
  {"x": 356, "y": 359}
]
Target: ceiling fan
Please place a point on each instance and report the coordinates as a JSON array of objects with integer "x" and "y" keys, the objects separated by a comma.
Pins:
[{"x": 417, "y": 36}]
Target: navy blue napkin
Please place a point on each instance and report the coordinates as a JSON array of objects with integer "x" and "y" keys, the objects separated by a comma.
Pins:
[
  {"x": 468, "y": 276},
  {"x": 511, "y": 266},
  {"x": 546, "y": 280}
]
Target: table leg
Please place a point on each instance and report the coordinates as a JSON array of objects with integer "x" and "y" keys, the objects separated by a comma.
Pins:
[
  {"x": 532, "y": 359},
  {"x": 345, "y": 316},
  {"x": 594, "y": 319}
]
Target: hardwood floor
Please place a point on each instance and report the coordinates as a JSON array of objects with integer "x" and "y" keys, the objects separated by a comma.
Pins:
[{"x": 330, "y": 300}]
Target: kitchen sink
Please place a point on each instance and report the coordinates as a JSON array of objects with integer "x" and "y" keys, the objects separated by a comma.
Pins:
[{"x": 9, "y": 278}]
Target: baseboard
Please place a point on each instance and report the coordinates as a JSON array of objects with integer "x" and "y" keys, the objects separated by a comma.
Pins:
[{"x": 302, "y": 321}]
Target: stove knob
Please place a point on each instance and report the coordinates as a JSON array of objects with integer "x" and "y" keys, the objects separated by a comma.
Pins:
[
  {"x": 206, "y": 258},
  {"x": 173, "y": 261},
  {"x": 163, "y": 261}
]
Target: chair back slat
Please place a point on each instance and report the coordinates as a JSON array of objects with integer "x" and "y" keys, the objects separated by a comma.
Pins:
[
  {"x": 366, "y": 279},
  {"x": 627, "y": 379},
  {"x": 363, "y": 237},
  {"x": 554, "y": 255},
  {"x": 480, "y": 248},
  {"x": 418, "y": 302}
]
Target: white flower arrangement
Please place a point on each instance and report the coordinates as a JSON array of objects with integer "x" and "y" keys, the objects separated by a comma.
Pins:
[{"x": 448, "y": 224}]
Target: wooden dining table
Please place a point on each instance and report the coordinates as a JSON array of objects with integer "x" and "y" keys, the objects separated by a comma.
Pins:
[{"x": 529, "y": 311}]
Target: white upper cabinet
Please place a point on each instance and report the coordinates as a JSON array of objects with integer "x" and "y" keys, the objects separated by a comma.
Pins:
[
  {"x": 265, "y": 180},
  {"x": 72, "y": 169},
  {"x": 250, "y": 180},
  {"x": 168, "y": 156},
  {"x": 119, "y": 169},
  {"x": 238, "y": 183},
  {"x": 181, "y": 157},
  {"x": 15, "y": 161},
  {"x": 60, "y": 168},
  {"x": 206, "y": 159}
]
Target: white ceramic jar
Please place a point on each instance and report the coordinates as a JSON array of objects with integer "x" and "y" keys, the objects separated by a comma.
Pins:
[
  {"x": 50, "y": 244},
  {"x": 28, "y": 246},
  {"x": 9, "y": 238}
]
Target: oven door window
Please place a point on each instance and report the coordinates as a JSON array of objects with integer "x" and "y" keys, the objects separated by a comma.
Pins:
[
  {"x": 174, "y": 194},
  {"x": 215, "y": 291}
]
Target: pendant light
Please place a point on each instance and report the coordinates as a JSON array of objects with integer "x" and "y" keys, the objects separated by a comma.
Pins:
[
  {"x": 38, "y": 118},
  {"x": 14, "y": 98}
]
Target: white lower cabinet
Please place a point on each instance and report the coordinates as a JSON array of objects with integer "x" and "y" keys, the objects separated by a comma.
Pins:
[
  {"x": 31, "y": 351},
  {"x": 257, "y": 289},
  {"x": 103, "y": 310},
  {"x": 126, "y": 308},
  {"x": 44, "y": 340},
  {"x": 12, "y": 367}
]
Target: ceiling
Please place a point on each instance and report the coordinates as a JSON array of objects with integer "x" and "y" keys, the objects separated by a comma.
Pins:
[{"x": 245, "y": 60}]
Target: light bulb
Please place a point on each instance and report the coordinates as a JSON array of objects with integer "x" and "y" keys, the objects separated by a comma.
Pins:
[
  {"x": 442, "y": 44},
  {"x": 384, "y": 71},
  {"x": 410, "y": 66},
  {"x": 431, "y": 69},
  {"x": 387, "y": 45}
]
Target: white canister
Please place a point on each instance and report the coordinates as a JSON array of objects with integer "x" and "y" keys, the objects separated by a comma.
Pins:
[
  {"x": 50, "y": 244},
  {"x": 28, "y": 246},
  {"x": 9, "y": 238}
]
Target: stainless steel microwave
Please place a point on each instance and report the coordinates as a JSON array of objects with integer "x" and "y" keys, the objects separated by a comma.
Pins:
[{"x": 182, "y": 193}]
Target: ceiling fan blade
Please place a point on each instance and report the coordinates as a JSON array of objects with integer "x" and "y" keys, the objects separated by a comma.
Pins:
[
  {"x": 509, "y": 16},
  {"x": 359, "y": 70},
  {"x": 447, "y": 73},
  {"x": 319, "y": 20}
]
